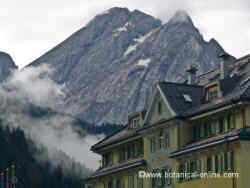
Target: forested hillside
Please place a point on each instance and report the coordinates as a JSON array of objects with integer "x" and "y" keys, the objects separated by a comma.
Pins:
[{"x": 29, "y": 171}]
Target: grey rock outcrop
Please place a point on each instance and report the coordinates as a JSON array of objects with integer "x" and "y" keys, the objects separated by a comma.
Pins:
[
  {"x": 110, "y": 65},
  {"x": 7, "y": 65}
]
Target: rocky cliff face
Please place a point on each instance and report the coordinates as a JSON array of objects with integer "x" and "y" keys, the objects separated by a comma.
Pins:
[
  {"x": 7, "y": 65},
  {"x": 110, "y": 65}
]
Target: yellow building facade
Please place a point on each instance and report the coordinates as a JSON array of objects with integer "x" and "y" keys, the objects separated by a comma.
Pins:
[{"x": 193, "y": 135}]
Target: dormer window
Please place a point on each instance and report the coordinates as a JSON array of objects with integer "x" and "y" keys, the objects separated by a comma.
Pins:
[
  {"x": 212, "y": 93},
  {"x": 134, "y": 123}
]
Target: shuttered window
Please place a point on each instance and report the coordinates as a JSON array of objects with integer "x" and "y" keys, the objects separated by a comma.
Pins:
[
  {"x": 152, "y": 144},
  {"x": 216, "y": 163},
  {"x": 213, "y": 128},
  {"x": 194, "y": 133},
  {"x": 231, "y": 121},
  {"x": 161, "y": 140},
  {"x": 209, "y": 164},
  {"x": 131, "y": 182},
  {"x": 221, "y": 125},
  {"x": 230, "y": 160},
  {"x": 202, "y": 131},
  {"x": 139, "y": 182}
]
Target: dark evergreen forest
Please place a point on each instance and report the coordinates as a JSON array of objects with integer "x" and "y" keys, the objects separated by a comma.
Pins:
[{"x": 19, "y": 166}]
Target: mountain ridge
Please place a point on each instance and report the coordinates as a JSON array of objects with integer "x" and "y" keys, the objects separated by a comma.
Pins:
[
  {"x": 110, "y": 65},
  {"x": 7, "y": 66}
]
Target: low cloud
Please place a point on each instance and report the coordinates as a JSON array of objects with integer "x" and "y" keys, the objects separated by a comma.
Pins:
[{"x": 33, "y": 87}]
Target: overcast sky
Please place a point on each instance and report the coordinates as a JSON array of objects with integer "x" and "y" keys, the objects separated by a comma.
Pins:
[{"x": 30, "y": 28}]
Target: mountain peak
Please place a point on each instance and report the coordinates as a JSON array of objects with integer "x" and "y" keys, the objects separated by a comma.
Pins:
[
  {"x": 7, "y": 59},
  {"x": 7, "y": 65},
  {"x": 181, "y": 16},
  {"x": 118, "y": 10},
  {"x": 118, "y": 57},
  {"x": 114, "y": 11}
]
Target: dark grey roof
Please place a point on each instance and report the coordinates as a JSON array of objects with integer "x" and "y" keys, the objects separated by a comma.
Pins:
[
  {"x": 214, "y": 74},
  {"x": 235, "y": 87},
  {"x": 174, "y": 93},
  {"x": 117, "y": 168},
  {"x": 228, "y": 84},
  {"x": 121, "y": 135},
  {"x": 233, "y": 91}
]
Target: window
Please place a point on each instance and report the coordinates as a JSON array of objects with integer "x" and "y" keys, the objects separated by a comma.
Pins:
[
  {"x": 209, "y": 164},
  {"x": 107, "y": 159},
  {"x": 131, "y": 151},
  {"x": 167, "y": 139},
  {"x": 161, "y": 140},
  {"x": 231, "y": 121},
  {"x": 213, "y": 128},
  {"x": 181, "y": 170},
  {"x": 134, "y": 123},
  {"x": 193, "y": 166},
  {"x": 131, "y": 183},
  {"x": 202, "y": 131},
  {"x": 118, "y": 183},
  {"x": 187, "y": 169},
  {"x": 225, "y": 161},
  {"x": 110, "y": 184},
  {"x": 207, "y": 131},
  {"x": 199, "y": 166},
  {"x": 139, "y": 182},
  {"x": 221, "y": 125},
  {"x": 198, "y": 131},
  {"x": 220, "y": 162},
  {"x": 228, "y": 161},
  {"x": 220, "y": 158},
  {"x": 216, "y": 163},
  {"x": 122, "y": 154},
  {"x": 159, "y": 108},
  {"x": 157, "y": 180},
  {"x": 140, "y": 147},
  {"x": 212, "y": 93},
  {"x": 231, "y": 160},
  {"x": 168, "y": 180},
  {"x": 194, "y": 133},
  {"x": 152, "y": 144}
]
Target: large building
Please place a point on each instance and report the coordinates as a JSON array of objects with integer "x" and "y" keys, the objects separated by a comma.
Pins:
[{"x": 198, "y": 132}]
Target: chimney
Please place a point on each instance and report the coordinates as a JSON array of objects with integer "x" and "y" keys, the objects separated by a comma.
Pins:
[
  {"x": 192, "y": 74},
  {"x": 224, "y": 65}
]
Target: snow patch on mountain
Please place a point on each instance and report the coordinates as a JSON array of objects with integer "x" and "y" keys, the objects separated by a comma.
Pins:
[
  {"x": 141, "y": 39},
  {"x": 138, "y": 41},
  {"x": 122, "y": 29},
  {"x": 144, "y": 62},
  {"x": 130, "y": 49}
]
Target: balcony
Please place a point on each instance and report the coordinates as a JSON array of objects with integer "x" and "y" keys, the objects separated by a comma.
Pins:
[{"x": 235, "y": 134}]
